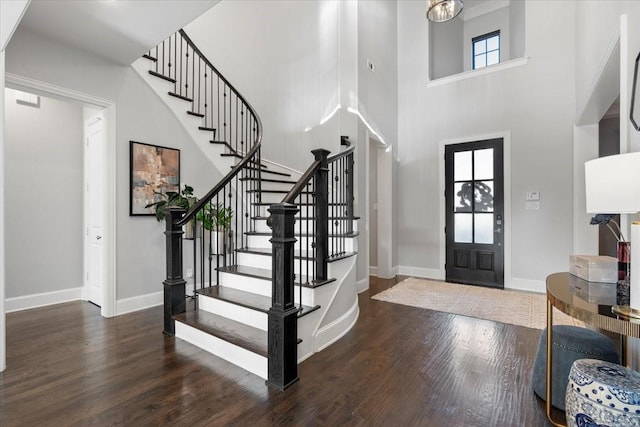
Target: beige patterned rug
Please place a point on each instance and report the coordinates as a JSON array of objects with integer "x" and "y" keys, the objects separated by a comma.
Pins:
[{"x": 506, "y": 306}]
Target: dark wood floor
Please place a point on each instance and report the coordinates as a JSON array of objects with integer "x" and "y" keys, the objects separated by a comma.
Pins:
[{"x": 399, "y": 366}]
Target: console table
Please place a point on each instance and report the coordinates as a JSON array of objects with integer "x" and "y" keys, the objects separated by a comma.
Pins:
[{"x": 568, "y": 295}]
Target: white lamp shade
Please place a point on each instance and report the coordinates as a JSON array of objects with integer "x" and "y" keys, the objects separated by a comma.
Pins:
[{"x": 613, "y": 184}]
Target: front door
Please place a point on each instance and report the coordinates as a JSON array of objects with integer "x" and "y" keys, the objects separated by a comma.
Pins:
[{"x": 475, "y": 213}]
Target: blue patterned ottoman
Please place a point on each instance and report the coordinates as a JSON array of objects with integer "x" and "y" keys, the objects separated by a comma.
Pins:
[
  {"x": 602, "y": 394},
  {"x": 570, "y": 343}
]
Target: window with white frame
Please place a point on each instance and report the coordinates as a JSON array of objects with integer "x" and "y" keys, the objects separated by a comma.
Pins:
[{"x": 486, "y": 50}]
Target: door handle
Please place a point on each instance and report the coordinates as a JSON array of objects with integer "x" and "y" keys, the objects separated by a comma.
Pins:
[{"x": 98, "y": 237}]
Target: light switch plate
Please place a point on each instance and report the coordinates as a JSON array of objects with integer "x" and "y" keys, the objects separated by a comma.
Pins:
[
  {"x": 533, "y": 195},
  {"x": 532, "y": 206}
]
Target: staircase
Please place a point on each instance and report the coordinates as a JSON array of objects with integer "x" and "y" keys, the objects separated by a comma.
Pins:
[{"x": 274, "y": 282}]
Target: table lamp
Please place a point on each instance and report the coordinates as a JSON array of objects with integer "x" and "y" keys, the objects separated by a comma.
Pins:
[{"x": 613, "y": 186}]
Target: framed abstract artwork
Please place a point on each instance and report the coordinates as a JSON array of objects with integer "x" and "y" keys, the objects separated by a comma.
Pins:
[{"x": 154, "y": 171}]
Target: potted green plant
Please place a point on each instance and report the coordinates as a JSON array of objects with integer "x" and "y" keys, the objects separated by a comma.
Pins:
[
  {"x": 216, "y": 221},
  {"x": 184, "y": 199}
]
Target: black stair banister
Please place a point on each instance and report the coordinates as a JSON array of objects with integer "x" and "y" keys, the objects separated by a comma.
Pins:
[
  {"x": 224, "y": 214},
  {"x": 225, "y": 218}
]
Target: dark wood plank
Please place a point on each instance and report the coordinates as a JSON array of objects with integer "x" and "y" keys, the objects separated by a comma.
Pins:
[{"x": 67, "y": 366}]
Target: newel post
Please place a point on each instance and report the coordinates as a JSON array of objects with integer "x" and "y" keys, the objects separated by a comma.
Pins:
[
  {"x": 283, "y": 314},
  {"x": 174, "y": 285},
  {"x": 322, "y": 213}
]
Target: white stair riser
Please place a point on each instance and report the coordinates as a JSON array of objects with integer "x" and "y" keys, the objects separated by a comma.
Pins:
[
  {"x": 309, "y": 211},
  {"x": 266, "y": 185},
  {"x": 246, "y": 284},
  {"x": 262, "y": 227},
  {"x": 262, "y": 287},
  {"x": 254, "y": 318},
  {"x": 241, "y": 357},
  {"x": 264, "y": 261},
  {"x": 346, "y": 244}
]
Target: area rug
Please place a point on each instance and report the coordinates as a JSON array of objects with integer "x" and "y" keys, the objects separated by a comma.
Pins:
[{"x": 513, "y": 307}]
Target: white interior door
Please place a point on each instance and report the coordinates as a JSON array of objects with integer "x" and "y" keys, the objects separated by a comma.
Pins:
[{"x": 94, "y": 207}]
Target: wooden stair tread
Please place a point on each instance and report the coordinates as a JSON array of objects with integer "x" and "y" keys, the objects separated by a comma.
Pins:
[
  {"x": 296, "y": 234},
  {"x": 276, "y": 192},
  {"x": 264, "y": 274},
  {"x": 247, "y": 337},
  {"x": 195, "y": 113},
  {"x": 311, "y": 218},
  {"x": 162, "y": 76},
  {"x": 268, "y": 171},
  {"x": 149, "y": 57},
  {"x": 277, "y": 181},
  {"x": 302, "y": 204},
  {"x": 297, "y": 254},
  {"x": 208, "y": 129},
  {"x": 177, "y": 95},
  {"x": 245, "y": 299},
  {"x": 234, "y": 296}
]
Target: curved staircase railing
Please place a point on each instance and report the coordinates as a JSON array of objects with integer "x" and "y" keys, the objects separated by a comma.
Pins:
[
  {"x": 222, "y": 217},
  {"x": 222, "y": 222}
]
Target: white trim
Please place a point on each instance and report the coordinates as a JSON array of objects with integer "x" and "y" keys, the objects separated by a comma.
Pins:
[
  {"x": 50, "y": 90},
  {"x": 140, "y": 302},
  {"x": 483, "y": 9},
  {"x": 335, "y": 330},
  {"x": 373, "y": 271},
  {"x": 3, "y": 344},
  {"x": 40, "y": 300},
  {"x": 22, "y": 82},
  {"x": 241, "y": 357},
  {"x": 362, "y": 285},
  {"x": 423, "y": 273},
  {"x": 506, "y": 153},
  {"x": 513, "y": 63}
]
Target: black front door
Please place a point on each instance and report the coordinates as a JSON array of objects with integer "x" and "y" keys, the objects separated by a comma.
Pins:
[{"x": 475, "y": 213}]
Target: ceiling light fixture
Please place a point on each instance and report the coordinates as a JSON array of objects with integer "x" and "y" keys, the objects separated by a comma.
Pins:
[{"x": 443, "y": 10}]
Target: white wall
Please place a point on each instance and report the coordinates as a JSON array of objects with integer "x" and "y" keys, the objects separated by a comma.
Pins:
[
  {"x": 446, "y": 44},
  {"x": 44, "y": 164},
  {"x": 283, "y": 56},
  {"x": 533, "y": 102},
  {"x": 140, "y": 116},
  {"x": 378, "y": 104},
  {"x": 10, "y": 15}
]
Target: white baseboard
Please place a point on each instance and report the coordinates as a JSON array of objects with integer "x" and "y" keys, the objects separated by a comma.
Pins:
[
  {"x": 373, "y": 271},
  {"x": 528, "y": 285},
  {"x": 362, "y": 285},
  {"x": 423, "y": 273},
  {"x": 141, "y": 302},
  {"x": 40, "y": 300}
]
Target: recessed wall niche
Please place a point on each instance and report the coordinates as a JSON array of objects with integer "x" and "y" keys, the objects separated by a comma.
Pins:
[{"x": 450, "y": 49}]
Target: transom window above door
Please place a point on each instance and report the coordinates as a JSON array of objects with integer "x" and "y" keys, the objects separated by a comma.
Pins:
[{"x": 486, "y": 50}]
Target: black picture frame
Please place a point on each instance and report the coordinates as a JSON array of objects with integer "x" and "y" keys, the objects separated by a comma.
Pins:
[
  {"x": 153, "y": 169},
  {"x": 634, "y": 115}
]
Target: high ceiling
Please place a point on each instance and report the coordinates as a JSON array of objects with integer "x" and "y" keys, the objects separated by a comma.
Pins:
[{"x": 119, "y": 30}]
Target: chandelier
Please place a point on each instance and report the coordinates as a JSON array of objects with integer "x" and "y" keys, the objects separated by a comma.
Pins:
[{"x": 443, "y": 10}]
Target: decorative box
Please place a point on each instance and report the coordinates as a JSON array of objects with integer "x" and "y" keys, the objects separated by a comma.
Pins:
[
  {"x": 593, "y": 292},
  {"x": 594, "y": 268}
]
